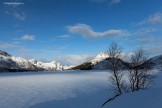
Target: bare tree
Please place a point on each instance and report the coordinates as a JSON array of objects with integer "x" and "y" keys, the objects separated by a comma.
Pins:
[
  {"x": 116, "y": 77},
  {"x": 140, "y": 75},
  {"x": 114, "y": 64}
]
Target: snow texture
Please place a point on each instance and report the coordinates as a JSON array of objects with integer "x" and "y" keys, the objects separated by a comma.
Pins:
[
  {"x": 150, "y": 98},
  {"x": 53, "y": 65},
  {"x": 100, "y": 57},
  {"x": 70, "y": 89},
  {"x": 10, "y": 62},
  {"x": 53, "y": 89}
]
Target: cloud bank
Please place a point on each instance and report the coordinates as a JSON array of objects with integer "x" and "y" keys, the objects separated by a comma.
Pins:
[
  {"x": 87, "y": 31},
  {"x": 75, "y": 59}
]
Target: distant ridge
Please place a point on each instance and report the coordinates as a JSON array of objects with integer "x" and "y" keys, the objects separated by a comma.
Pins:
[
  {"x": 100, "y": 62},
  {"x": 11, "y": 64},
  {"x": 4, "y": 53}
]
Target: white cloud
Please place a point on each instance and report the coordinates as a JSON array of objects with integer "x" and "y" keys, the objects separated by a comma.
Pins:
[
  {"x": 15, "y": 12},
  {"x": 63, "y": 36},
  {"x": 16, "y": 42},
  {"x": 146, "y": 40},
  {"x": 154, "y": 50},
  {"x": 19, "y": 30},
  {"x": 23, "y": 49},
  {"x": 87, "y": 31},
  {"x": 75, "y": 59},
  {"x": 154, "y": 19},
  {"x": 19, "y": 15},
  {"x": 115, "y": 1},
  {"x": 28, "y": 37},
  {"x": 7, "y": 46},
  {"x": 144, "y": 31}
]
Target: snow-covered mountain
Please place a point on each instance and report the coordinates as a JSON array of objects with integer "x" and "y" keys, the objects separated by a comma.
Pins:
[
  {"x": 11, "y": 63},
  {"x": 68, "y": 67},
  {"x": 25, "y": 64},
  {"x": 97, "y": 62},
  {"x": 6, "y": 62},
  {"x": 53, "y": 65},
  {"x": 101, "y": 61},
  {"x": 100, "y": 57},
  {"x": 3, "y": 53},
  {"x": 155, "y": 62}
]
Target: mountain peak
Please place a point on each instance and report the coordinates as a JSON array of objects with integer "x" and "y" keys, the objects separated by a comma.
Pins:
[
  {"x": 53, "y": 62},
  {"x": 4, "y": 53},
  {"x": 101, "y": 56}
]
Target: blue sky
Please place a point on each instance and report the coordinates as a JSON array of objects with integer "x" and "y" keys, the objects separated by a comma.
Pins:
[{"x": 73, "y": 31}]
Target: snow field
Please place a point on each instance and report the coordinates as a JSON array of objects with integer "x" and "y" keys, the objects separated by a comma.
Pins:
[
  {"x": 52, "y": 89},
  {"x": 71, "y": 89}
]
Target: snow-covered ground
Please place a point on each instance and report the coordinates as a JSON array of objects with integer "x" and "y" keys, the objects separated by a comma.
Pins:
[
  {"x": 70, "y": 89},
  {"x": 73, "y": 89},
  {"x": 150, "y": 98}
]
